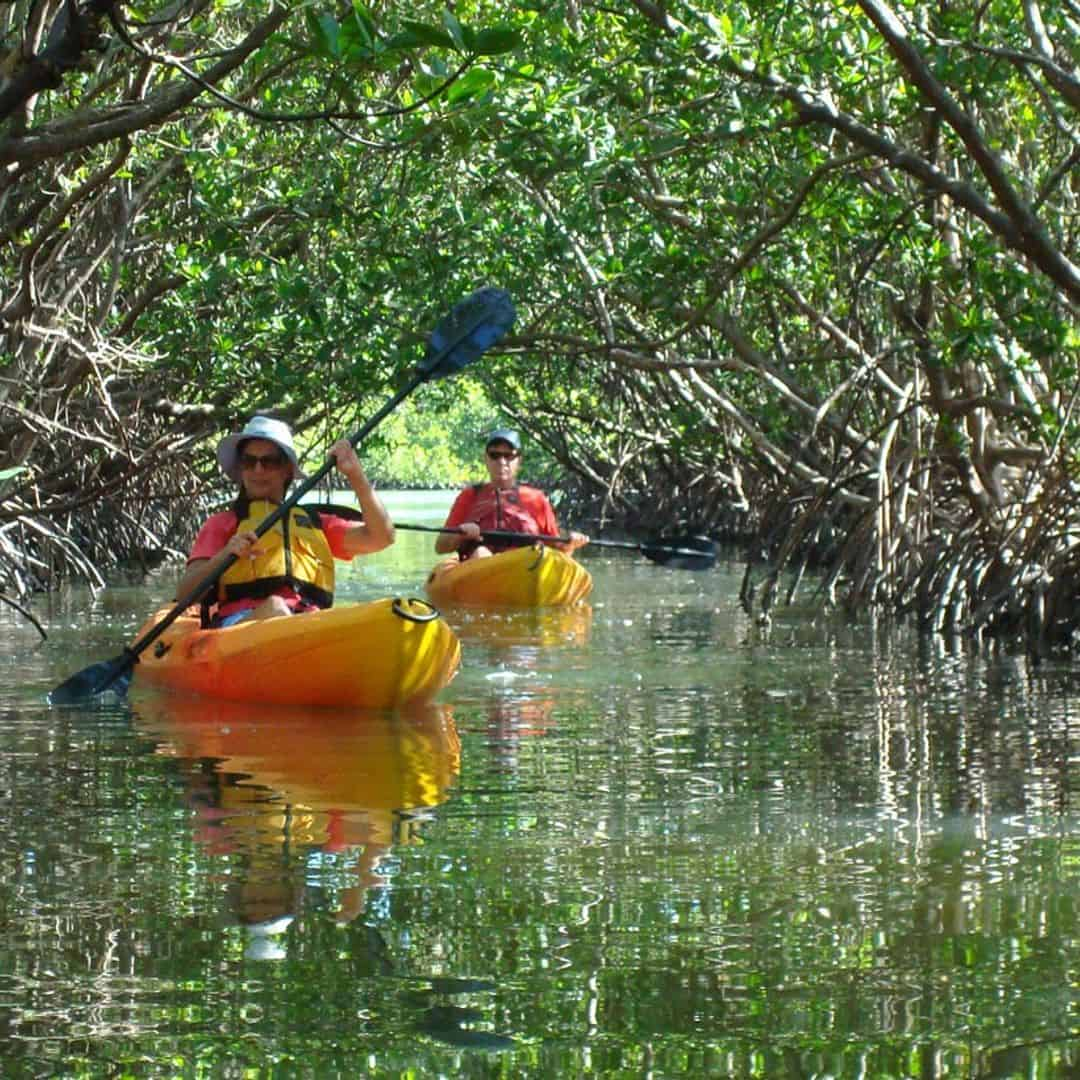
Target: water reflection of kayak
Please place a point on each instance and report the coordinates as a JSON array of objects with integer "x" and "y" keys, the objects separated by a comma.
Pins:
[
  {"x": 375, "y": 655},
  {"x": 508, "y": 627},
  {"x": 274, "y": 786},
  {"x": 322, "y": 759},
  {"x": 526, "y": 577}
]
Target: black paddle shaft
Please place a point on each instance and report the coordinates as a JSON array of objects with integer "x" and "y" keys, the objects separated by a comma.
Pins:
[{"x": 687, "y": 552}]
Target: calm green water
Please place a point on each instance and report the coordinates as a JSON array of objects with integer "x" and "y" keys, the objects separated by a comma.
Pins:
[{"x": 648, "y": 839}]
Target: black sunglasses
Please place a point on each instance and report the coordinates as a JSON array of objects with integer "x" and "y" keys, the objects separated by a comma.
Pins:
[
  {"x": 502, "y": 455},
  {"x": 267, "y": 461}
]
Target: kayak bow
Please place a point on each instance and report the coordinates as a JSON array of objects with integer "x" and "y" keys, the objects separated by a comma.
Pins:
[
  {"x": 377, "y": 655},
  {"x": 535, "y": 576}
]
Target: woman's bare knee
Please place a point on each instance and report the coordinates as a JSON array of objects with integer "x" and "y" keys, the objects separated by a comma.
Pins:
[{"x": 271, "y": 608}]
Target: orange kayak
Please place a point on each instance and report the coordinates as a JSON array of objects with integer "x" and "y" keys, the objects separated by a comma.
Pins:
[
  {"x": 536, "y": 576},
  {"x": 376, "y": 655}
]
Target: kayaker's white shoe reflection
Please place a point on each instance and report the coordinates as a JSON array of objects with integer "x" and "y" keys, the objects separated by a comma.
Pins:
[{"x": 262, "y": 944}]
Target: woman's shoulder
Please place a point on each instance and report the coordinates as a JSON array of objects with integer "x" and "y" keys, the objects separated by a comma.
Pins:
[
  {"x": 221, "y": 521},
  {"x": 222, "y": 517}
]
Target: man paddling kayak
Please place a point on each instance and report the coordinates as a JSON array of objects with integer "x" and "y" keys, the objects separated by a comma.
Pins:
[
  {"x": 290, "y": 569},
  {"x": 501, "y": 503}
]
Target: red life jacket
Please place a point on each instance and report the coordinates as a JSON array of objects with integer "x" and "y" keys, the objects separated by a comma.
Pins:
[{"x": 517, "y": 509}]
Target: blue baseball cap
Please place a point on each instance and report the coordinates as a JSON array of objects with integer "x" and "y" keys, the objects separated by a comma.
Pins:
[{"x": 506, "y": 435}]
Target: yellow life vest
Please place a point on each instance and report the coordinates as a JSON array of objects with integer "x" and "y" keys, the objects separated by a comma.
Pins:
[{"x": 295, "y": 552}]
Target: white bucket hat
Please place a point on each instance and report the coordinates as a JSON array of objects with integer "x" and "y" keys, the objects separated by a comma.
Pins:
[{"x": 258, "y": 427}]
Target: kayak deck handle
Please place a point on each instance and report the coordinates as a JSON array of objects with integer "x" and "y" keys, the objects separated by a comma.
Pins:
[
  {"x": 541, "y": 551},
  {"x": 426, "y": 614}
]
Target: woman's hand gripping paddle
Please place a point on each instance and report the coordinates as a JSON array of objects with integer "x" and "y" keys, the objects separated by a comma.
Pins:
[{"x": 460, "y": 338}]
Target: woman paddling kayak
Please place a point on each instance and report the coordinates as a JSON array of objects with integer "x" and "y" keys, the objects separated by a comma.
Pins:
[{"x": 290, "y": 569}]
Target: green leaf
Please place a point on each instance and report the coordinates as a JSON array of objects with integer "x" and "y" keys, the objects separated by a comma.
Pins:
[
  {"x": 472, "y": 84},
  {"x": 422, "y": 34},
  {"x": 454, "y": 29},
  {"x": 358, "y": 38},
  {"x": 496, "y": 40},
  {"x": 364, "y": 23},
  {"x": 325, "y": 32},
  {"x": 404, "y": 39}
]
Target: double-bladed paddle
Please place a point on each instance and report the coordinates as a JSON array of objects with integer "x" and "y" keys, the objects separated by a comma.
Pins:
[
  {"x": 462, "y": 336},
  {"x": 680, "y": 552}
]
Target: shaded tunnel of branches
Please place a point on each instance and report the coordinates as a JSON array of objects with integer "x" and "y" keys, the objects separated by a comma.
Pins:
[{"x": 830, "y": 318}]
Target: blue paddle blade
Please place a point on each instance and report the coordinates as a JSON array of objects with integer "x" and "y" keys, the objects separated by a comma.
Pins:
[
  {"x": 113, "y": 675},
  {"x": 471, "y": 328}
]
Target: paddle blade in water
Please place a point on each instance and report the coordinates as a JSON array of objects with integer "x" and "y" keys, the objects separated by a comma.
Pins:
[
  {"x": 471, "y": 328},
  {"x": 109, "y": 675},
  {"x": 682, "y": 553}
]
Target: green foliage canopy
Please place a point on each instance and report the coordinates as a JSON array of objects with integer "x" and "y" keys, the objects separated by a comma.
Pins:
[{"x": 765, "y": 257}]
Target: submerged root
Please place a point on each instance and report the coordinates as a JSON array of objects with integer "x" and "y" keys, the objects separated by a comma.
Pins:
[{"x": 26, "y": 614}]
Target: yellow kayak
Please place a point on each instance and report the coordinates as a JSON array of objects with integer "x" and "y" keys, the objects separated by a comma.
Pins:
[
  {"x": 536, "y": 576},
  {"x": 376, "y": 655}
]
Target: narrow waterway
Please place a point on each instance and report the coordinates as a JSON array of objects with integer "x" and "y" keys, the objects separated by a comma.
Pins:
[{"x": 641, "y": 838}]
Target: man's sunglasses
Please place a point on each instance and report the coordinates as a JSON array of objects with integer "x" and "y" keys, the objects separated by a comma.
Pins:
[
  {"x": 502, "y": 455},
  {"x": 267, "y": 461}
]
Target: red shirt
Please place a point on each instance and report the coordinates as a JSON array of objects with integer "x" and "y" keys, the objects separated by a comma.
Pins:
[
  {"x": 217, "y": 529},
  {"x": 529, "y": 506}
]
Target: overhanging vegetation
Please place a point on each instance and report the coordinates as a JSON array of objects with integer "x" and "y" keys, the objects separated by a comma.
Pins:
[{"x": 811, "y": 273}]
